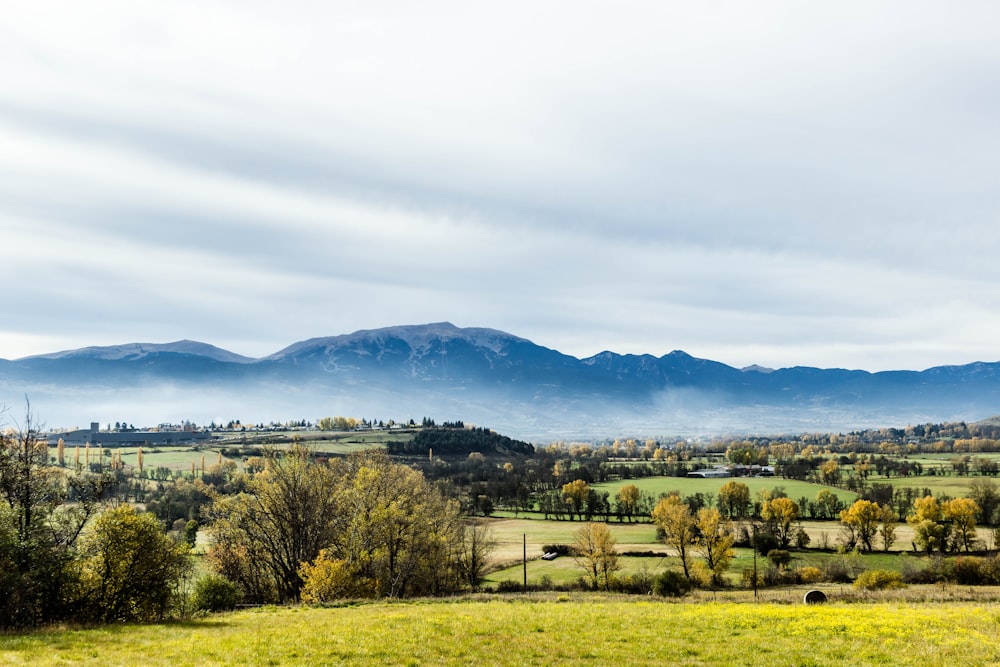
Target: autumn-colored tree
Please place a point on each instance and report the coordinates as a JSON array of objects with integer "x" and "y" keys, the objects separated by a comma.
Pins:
[
  {"x": 575, "y": 493},
  {"x": 861, "y": 522},
  {"x": 962, "y": 514},
  {"x": 628, "y": 500},
  {"x": 929, "y": 533},
  {"x": 594, "y": 551},
  {"x": 778, "y": 515},
  {"x": 715, "y": 538},
  {"x": 734, "y": 500},
  {"x": 827, "y": 504},
  {"x": 829, "y": 473},
  {"x": 673, "y": 517}
]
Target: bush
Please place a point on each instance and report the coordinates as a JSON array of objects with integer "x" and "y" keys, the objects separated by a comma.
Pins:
[
  {"x": 214, "y": 593},
  {"x": 509, "y": 586},
  {"x": 877, "y": 580},
  {"x": 779, "y": 557},
  {"x": 747, "y": 578},
  {"x": 671, "y": 583},
  {"x": 809, "y": 575},
  {"x": 930, "y": 571},
  {"x": 841, "y": 570},
  {"x": 639, "y": 583},
  {"x": 561, "y": 549}
]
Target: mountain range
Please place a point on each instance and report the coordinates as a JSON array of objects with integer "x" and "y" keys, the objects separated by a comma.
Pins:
[{"x": 487, "y": 377}]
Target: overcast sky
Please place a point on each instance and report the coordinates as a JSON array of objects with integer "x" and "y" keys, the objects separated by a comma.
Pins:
[{"x": 779, "y": 183}]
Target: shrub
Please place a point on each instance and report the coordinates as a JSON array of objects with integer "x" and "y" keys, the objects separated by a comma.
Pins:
[
  {"x": 841, "y": 570},
  {"x": 639, "y": 583},
  {"x": 671, "y": 583},
  {"x": 877, "y": 580},
  {"x": 747, "y": 577},
  {"x": 327, "y": 579},
  {"x": 968, "y": 570},
  {"x": 701, "y": 575},
  {"x": 930, "y": 571},
  {"x": 809, "y": 575},
  {"x": 214, "y": 593},
  {"x": 780, "y": 558},
  {"x": 561, "y": 549},
  {"x": 509, "y": 586}
]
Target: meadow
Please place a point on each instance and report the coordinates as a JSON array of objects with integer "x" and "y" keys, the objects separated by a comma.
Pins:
[
  {"x": 540, "y": 630},
  {"x": 687, "y": 486}
]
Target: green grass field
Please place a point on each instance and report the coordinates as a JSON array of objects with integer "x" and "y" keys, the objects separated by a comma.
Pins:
[
  {"x": 690, "y": 485},
  {"x": 954, "y": 487},
  {"x": 544, "y": 631}
]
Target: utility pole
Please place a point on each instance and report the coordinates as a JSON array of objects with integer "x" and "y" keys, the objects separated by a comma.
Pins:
[{"x": 524, "y": 561}]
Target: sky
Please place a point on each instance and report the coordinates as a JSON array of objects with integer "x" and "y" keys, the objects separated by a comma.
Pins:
[{"x": 773, "y": 183}]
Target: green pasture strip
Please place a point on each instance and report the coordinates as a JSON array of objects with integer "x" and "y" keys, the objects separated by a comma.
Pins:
[
  {"x": 580, "y": 631},
  {"x": 954, "y": 487},
  {"x": 687, "y": 486}
]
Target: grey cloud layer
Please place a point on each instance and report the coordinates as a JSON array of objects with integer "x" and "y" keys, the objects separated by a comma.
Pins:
[{"x": 774, "y": 183}]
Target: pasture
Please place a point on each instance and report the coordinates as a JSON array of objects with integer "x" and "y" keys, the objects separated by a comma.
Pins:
[
  {"x": 687, "y": 486},
  {"x": 544, "y": 630}
]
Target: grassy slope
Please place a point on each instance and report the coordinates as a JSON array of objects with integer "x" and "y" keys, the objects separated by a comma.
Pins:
[{"x": 587, "y": 631}]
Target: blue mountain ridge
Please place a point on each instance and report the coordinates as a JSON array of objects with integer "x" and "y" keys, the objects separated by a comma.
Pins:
[{"x": 499, "y": 378}]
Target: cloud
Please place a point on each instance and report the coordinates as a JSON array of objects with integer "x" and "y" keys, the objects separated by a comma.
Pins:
[{"x": 768, "y": 183}]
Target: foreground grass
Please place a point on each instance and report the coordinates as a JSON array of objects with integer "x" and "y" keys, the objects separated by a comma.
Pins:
[{"x": 541, "y": 631}]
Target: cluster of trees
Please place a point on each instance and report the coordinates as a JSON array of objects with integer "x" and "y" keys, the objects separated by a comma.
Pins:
[
  {"x": 451, "y": 441},
  {"x": 361, "y": 526},
  {"x": 83, "y": 560}
]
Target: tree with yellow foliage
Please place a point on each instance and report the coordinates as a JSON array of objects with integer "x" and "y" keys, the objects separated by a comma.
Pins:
[
  {"x": 861, "y": 521},
  {"x": 594, "y": 551},
  {"x": 673, "y": 517},
  {"x": 962, "y": 514},
  {"x": 575, "y": 493},
  {"x": 778, "y": 515},
  {"x": 929, "y": 533},
  {"x": 716, "y": 541},
  {"x": 628, "y": 500}
]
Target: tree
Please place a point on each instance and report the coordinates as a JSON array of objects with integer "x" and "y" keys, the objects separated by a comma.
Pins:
[
  {"x": 379, "y": 525},
  {"x": 861, "y": 521},
  {"x": 887, "y": 531},
  {"x": 673, "y": 517},
  {"x": 734, "y": 500},
  {"x": 129, "y": 568},
  {"x": 594, "y": 551},
  {"x": 37, "y": 531},
  {"x": 627, "y": 500},
  {"x": 287, "y": 514},
  {"x": 827, "y": 504},
  {"x": 477, "y": 547},
  {"x": 576, "y": 493},
  {"x": 829, "y": 473},
  {"x": 986, "y": 495},
  {"x": 716, "y": 540},
  {"x": 962, "y": 514},
  {"x": 778, "y": 515},
  {"x": 928, "y": 531}
]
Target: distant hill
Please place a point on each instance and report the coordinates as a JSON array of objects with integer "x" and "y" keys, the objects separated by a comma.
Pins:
[{"x": 489, "y": 377}]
